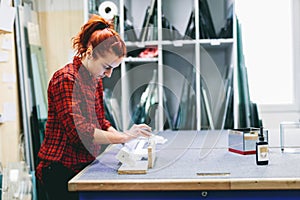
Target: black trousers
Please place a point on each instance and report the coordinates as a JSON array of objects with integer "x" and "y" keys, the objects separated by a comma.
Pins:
[{"x": 55, "y": 178}]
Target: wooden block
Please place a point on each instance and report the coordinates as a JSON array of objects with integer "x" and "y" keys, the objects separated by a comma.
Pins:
[
  {"x": 151, "y": 154},
  {"x": 133, "y": 162},
  {"x": 139, "y": 168}
]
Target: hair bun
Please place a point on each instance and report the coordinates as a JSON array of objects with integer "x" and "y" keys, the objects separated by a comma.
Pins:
[{"x": 102, "y": 25}]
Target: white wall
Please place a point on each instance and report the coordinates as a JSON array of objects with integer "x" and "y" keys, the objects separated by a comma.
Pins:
[{"x": 56, "y": 5}]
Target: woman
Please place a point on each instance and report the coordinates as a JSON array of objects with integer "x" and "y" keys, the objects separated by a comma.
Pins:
[{"x": 76, "y": 126}]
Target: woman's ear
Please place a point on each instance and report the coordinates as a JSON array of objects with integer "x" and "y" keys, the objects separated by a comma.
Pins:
[{"x": 89, "y": 52}]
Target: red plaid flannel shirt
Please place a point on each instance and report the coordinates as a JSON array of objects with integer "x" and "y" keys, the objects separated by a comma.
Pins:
[{"x": 75, "y": 109}]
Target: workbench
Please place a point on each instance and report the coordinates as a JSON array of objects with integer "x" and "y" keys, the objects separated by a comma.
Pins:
[{"x": 193, "y": 165}]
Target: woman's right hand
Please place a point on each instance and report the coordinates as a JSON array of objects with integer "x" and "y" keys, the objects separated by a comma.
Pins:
[{"x": 138, "y": 130}]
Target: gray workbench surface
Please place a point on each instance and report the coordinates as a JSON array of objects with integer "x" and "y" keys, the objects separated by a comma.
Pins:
[{"x": 187, "y": 153}]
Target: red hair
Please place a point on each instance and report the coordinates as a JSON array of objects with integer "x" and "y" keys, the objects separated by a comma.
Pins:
[{"x": 99, "y": 34}]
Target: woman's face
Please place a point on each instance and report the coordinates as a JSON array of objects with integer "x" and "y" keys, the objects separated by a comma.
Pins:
[{"x": 103, "y": 66}]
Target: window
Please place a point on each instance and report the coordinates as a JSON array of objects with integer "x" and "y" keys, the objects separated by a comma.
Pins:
[{"x": 267, "y": 33}]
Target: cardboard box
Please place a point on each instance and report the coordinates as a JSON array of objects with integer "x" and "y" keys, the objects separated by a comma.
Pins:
[{"x": 243, "y": 141}]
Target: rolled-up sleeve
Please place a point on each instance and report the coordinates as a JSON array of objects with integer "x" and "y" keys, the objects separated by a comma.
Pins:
[{"x": 71, "y": 111}]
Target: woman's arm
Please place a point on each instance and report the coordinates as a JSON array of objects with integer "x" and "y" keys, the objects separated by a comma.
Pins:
[{"x": 112, "y": 136}]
